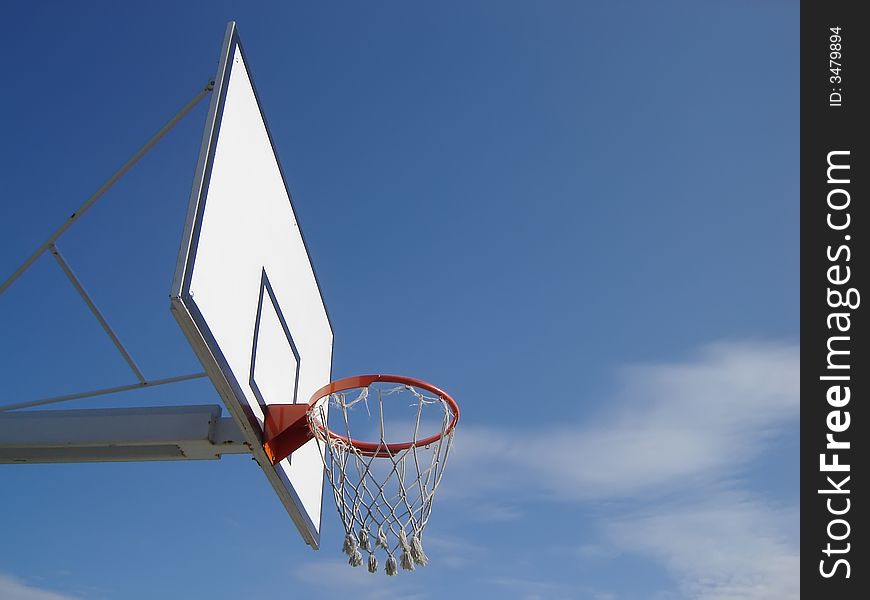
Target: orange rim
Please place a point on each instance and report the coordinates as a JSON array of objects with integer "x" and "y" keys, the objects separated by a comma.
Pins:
[{"x": 363, "y": 381}]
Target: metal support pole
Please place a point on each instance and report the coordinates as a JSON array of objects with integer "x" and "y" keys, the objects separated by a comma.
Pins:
[
  {"x": 96, "y": 312},
  {"x": 102, "y": 392},
  {"x": 108, "y": 184}
]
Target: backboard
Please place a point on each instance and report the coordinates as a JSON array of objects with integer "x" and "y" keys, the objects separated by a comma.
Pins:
[{"x": 245, "y": 292}]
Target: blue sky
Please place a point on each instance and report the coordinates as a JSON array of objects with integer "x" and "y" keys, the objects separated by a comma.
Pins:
[{"x": 581, "y": 219}]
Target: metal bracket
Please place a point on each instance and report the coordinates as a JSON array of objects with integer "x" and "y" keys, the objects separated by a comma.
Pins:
[{"x": 285, "y": 430}]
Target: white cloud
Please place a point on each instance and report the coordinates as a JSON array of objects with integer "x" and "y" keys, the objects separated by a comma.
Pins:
[
  {"x": 454, "y": 552},
  {"x": 587, "y": 552},
  {"x": 531, "y": 589},
  {"x": 337, "y": 579},
  {"x": 668, "y": 424},
  {"x": 683, "y": 431},
  {"x": 729, "y": 549},
  {"x": 12, "y": 588}
]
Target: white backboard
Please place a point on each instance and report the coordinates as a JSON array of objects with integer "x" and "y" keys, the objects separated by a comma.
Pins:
[{"x": 245, "y": 292}]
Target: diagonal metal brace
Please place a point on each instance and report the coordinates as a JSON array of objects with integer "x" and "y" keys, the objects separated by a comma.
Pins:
[
  {"x": 105, "y": 187},
  {"x": 96, "y": 312}
]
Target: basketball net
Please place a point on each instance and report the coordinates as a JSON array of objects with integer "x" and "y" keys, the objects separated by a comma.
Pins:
[{"x": 383, "y": 491}]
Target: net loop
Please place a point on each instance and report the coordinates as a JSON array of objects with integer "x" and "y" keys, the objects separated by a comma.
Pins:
[
  {"x": 391, "y": 568},
  {"x": 364, "y": 542}
]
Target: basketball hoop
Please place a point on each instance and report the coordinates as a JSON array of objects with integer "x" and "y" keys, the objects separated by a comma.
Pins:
[{"x": 383, "y": 490}]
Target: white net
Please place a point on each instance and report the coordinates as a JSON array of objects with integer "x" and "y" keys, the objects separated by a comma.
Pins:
[{"x": 383, "y": 491}]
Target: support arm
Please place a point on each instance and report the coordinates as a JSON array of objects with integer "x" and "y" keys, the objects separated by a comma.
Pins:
[{"x": 118, "y": 434}]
